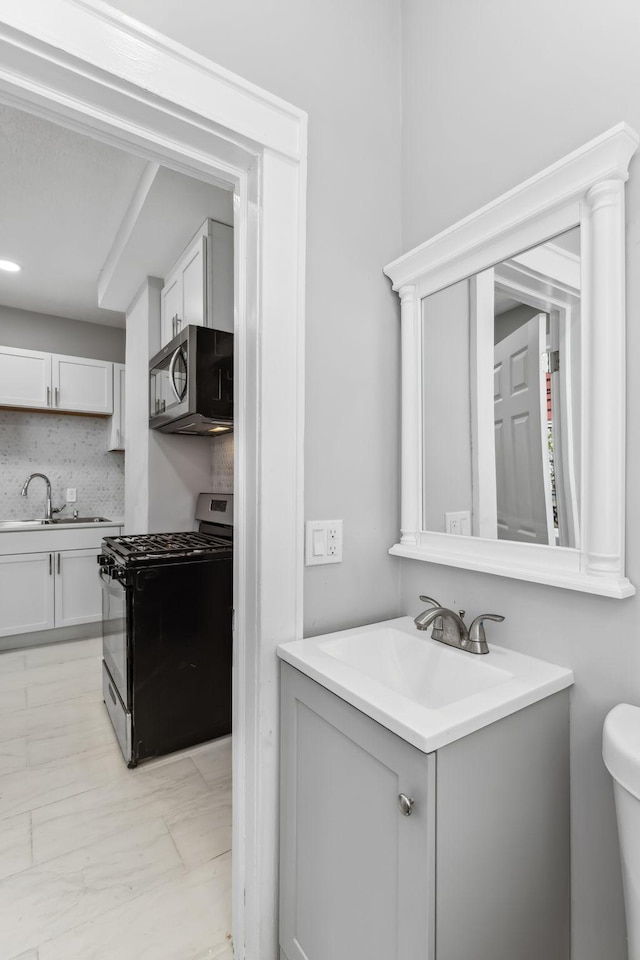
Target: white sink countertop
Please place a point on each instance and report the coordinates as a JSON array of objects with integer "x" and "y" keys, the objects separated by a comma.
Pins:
[{"x": 428, "y": 693}]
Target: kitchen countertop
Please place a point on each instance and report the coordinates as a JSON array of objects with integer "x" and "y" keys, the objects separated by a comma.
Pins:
[
  {"x": 62, "y": 526},
  {"x": 57, "y": 536}
]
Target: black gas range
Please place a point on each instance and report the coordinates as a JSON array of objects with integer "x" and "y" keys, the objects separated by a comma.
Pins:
[{"x": 167, "y": 633}]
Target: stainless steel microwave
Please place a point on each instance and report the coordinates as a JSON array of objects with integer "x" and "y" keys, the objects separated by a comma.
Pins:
[{"x": 191, "y": 383}]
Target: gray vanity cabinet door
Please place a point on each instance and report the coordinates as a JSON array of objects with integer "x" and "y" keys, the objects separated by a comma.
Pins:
[{"x": 357, "y": 877}]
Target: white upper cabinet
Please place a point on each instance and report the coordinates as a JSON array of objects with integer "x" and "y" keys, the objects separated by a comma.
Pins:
[
  {"x": 116, "y": 435},
  {"x": 82, "y": 385},
  {"x": 48, "y": 381},
  {"x": 25, "y": 378},
  {"x": 199, "y": 288}
]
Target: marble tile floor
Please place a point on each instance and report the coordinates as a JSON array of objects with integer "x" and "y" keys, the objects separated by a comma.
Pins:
[{"x": 98, "y": 862}]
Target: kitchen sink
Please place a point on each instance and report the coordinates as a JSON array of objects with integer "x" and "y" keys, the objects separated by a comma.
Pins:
[
  {"x": 7, "y": 524},
  {"x": 79, "y": 520},
  {"x": 10, "y": 524}
]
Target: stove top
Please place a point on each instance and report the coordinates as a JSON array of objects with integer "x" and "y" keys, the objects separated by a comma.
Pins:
[{"x": 160, "y": 546}]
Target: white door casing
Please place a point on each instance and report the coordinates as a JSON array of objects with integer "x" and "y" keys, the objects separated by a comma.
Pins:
[{"x": 84, "y": 65}]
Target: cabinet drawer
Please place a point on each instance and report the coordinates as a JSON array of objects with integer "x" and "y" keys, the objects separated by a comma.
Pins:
[{"x": 119, "y": 715}]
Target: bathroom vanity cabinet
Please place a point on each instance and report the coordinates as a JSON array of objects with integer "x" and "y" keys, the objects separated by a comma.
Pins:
[{"x": 477, "y": 870}]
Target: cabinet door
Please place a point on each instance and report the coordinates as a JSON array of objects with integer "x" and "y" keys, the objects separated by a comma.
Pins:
[
  {"x": 220, "y": 277},
  {"x": 170, "y": 306},
  {"x": 193, "y": 269},
  {"x": 25, "y": 378},
  {"x": 116, "y": 433},
  {"x": 78, "y": 587},
  {"x": 26, "y": 593},
  {"x": 82, "y": 385},
  {"x": 357, "y": 877}
]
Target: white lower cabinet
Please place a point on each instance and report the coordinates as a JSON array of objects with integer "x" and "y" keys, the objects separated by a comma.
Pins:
[
  {"x": 478, "y": 869},
  {"x": 78, "y": 589},
  {"x": 47, "y": 589},
  {"x": 26, "y": 593},
  {"x": 40, "y": 591}
]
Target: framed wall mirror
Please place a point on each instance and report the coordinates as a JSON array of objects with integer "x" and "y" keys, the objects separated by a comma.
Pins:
[{"x": 513, "y": 380}]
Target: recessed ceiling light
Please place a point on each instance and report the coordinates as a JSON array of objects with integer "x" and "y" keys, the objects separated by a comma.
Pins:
[{"x": 10, "y": 266}]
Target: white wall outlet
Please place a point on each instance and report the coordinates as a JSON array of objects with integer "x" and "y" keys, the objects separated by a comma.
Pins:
[
  {"x": 323, "y": 542},
  {"x": 458, "y": 523},
  {"x": 72, "y": 494}
]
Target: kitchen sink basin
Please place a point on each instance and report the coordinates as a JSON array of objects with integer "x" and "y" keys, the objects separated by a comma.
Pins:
[
  {"x": 11, "y": 524},
  {"x": 80, "y": 520},
  {"x": 8, "y": 524}
]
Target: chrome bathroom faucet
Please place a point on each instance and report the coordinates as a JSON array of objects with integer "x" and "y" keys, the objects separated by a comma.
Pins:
[{"x": 450, "y": 628}]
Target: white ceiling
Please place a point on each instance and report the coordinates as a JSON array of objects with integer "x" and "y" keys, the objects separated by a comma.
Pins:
[{"x": 63, "y": 199}]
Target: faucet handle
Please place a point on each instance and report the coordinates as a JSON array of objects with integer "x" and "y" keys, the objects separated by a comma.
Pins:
[
  {"x": 476, "y": 630},
  {"x": 434, "y": 603}
]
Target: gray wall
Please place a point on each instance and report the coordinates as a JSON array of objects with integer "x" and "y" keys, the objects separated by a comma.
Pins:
[
  {"x": 340, "y": 62},
  {"x": 39, "y": 331},
  {"x": 572, "y": 71}
]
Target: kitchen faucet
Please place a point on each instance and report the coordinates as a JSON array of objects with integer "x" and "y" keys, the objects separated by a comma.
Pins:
[
  {"x": 450, "y": 628},
  {"x": 48, "y": 511}
]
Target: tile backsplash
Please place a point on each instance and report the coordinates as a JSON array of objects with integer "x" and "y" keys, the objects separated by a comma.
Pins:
[
  {"x": 222, "y": 464},
  {"x": 71, "y": 451}
]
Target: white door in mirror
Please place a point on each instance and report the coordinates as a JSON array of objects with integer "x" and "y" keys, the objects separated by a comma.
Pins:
[{"x": 323, "y": 542}]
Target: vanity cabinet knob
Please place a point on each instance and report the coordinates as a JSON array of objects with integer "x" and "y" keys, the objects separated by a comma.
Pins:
[{"x": 405, "y": 804}]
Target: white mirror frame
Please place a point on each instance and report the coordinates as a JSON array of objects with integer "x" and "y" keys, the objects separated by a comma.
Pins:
[{"x": 585, "y": 188}]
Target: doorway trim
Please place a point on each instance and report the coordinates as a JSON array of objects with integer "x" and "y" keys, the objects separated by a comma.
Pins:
[{"x": 88, "y": 67}]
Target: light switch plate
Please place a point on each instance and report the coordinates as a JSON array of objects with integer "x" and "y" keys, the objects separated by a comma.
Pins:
[{"x": 323, "y": 542}]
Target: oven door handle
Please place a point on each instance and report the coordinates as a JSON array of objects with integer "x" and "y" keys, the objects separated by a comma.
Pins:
[
  {"x": 109, "y": 580},
  {"x": 172, "y": 370}
]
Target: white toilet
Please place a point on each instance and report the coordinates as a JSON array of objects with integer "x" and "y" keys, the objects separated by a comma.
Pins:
[{"x": 621, "y": 752}]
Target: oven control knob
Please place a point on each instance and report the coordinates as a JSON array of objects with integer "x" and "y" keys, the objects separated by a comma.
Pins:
[{"x": 104, "y": 560}]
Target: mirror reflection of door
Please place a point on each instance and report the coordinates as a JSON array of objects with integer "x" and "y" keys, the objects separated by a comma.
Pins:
[
  {"x": 524, "y": 328},
  {"x": 505, "y": 468},
  {"x": 523, "y": 475}
]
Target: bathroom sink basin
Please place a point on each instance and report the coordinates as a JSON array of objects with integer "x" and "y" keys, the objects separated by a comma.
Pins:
[
  {"x": 427, "y": 693},
  {"x": 428, "y": 673}
]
